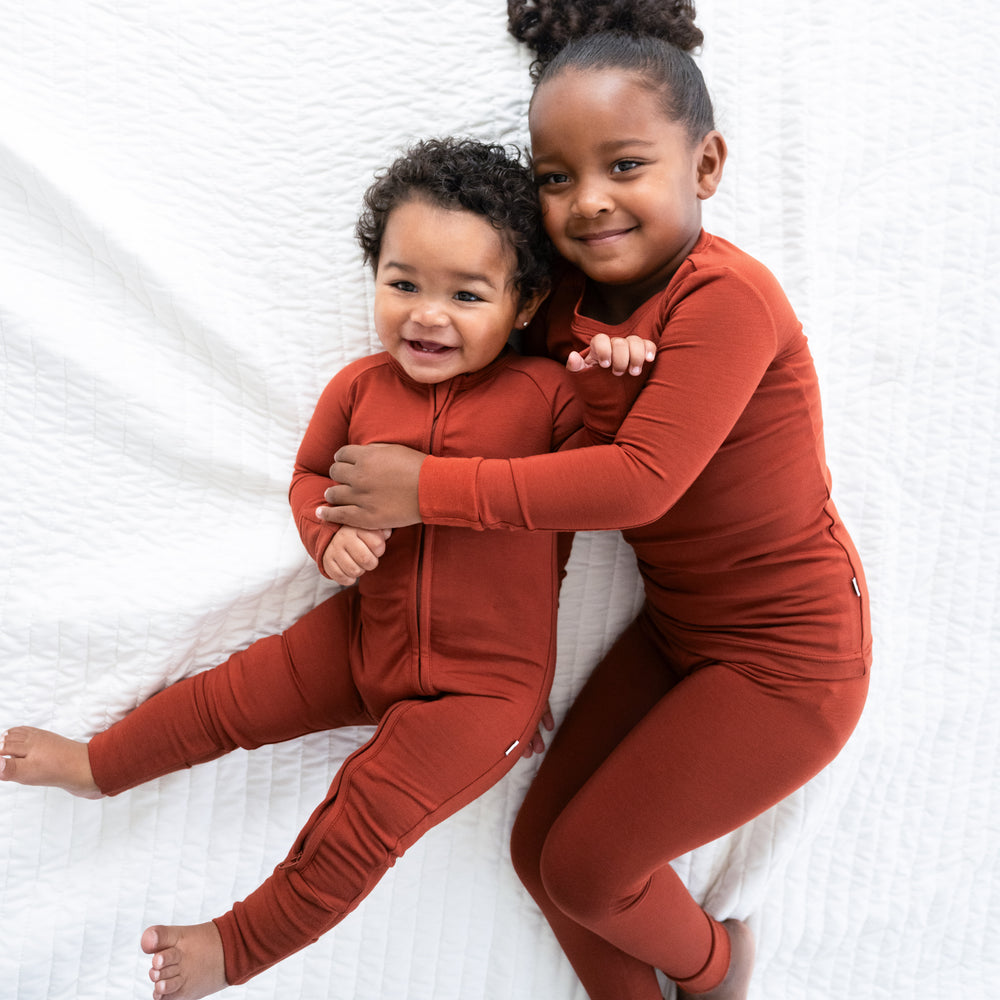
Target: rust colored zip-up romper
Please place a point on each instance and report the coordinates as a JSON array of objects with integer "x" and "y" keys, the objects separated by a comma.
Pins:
[
  {"x": 448, "y": 646},
  {"x": 747, "y": 668}
]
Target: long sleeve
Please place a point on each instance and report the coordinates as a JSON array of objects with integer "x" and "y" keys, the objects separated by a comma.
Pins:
[
  {"x": 717, "y": 337},
  {"x": 327, "y": 431}
]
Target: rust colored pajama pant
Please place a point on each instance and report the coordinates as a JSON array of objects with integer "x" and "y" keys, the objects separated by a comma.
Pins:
[
  {"x": 660, "y": 753},
  {"x": 431, "y": 754}
]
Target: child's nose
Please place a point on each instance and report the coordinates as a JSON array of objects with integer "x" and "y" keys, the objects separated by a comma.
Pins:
[
  {"x": 429, "y": 312},
  {"x": 592, "y": 199}
]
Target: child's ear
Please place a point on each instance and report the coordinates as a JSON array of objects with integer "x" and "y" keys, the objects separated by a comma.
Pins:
[
  {"x": 529, "y": 308},
  {"x": 710, "y": 158}
]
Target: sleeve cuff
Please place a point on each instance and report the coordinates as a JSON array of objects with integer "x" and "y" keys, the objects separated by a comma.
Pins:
[{"x": 447, "y": 491}]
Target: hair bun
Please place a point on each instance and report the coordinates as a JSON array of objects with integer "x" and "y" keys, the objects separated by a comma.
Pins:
[{"x": 546, "y": 26}]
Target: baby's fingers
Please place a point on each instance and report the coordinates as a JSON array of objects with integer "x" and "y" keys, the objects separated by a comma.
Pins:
[
  {"x": 631, "y": 353},
  {"x": 374, "y": 540}
]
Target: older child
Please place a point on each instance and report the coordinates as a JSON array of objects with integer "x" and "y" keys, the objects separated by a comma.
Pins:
[
  {"x": 422, "y": 646},
  {"x": 747, "y": 668}
]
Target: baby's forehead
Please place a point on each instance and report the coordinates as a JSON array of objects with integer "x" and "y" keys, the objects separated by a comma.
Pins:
[{"x": 422, "y": 223}]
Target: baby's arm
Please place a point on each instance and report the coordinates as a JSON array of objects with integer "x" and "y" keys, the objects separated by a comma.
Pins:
[
  {"x": 620, "y": 354},
  {"x": 353, "y": 552}
]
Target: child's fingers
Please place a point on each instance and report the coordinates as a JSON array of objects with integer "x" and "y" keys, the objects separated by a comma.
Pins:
[
  {"x": 358, "y": 555},
  {"x": 632, "y": 353},
  {"x": 602, "y": 350},
  {"x": 374, "y": 539},
  {"x": 621, "y": 355},
  {"x": 338, "y": 575}
]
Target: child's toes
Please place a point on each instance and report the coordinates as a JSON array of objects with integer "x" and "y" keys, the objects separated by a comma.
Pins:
[
  {"x": 156, "y": 939},
  {"x": 164, "y": 964},
  {"x": 12, "y": 742},
  {"x": 167, "y": 986}
]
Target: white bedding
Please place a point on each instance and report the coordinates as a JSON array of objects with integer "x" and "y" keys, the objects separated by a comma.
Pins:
[{"x": 178, "y": 280}]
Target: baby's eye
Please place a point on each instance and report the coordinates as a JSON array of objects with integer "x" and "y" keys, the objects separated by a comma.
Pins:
[
  {"x": 403, "y": 286},
  {"x": 467, "y": 297},
  {"x": 622, "y": 166}
]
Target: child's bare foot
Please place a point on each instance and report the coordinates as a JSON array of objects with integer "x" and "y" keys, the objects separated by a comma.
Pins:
[
  {"x": 187, "y": 963},
  {"x": 37, "y": 757},
  {"x": 736, "y": 985}
]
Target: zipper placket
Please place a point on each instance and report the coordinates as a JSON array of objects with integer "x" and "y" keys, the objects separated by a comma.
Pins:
[{"x": 423, "y": 629}]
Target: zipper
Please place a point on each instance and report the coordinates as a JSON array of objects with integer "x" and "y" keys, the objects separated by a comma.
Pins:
[{"x": 437, "y": 409}]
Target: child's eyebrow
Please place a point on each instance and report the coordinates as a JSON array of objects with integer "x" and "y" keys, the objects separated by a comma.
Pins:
[
  {"x": 473, "y": 278},
  {"x": 605, "y": 148},
  {"x": 468, "y": 277}
]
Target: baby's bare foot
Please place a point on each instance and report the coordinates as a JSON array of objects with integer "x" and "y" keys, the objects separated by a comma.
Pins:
[
  {"x": 736, "y": 985},
  {"x": 37, "y": 757},
  {"x": 187, "y": 962}
]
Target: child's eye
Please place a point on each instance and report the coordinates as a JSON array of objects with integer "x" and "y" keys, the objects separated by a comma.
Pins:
[
  {"x": 467, "y": 297},
  {"x": 548, "y": 180},
  {"x": 623, "y": 166},
  {"x": 403, "y": 286}
]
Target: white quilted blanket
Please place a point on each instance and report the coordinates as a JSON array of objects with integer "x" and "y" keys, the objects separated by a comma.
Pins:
[{"x": 178, "y": 279}]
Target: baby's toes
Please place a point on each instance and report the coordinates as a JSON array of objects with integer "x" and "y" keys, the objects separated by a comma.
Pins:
[
  {"x": 164, "y": 964},
  {"x": 13, "y": 743}
]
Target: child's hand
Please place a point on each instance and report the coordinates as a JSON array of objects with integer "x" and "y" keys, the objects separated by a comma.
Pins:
[
  {"x": 620, "y": 354},
  {"x": 353, "y": 552}
]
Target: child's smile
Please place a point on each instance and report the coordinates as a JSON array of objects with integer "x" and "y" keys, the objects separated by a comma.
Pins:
[
  {"x": 619, "y": 182},
  {"x": 445, "y": 302}
]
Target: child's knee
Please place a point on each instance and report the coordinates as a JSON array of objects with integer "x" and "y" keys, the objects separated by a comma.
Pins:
[{"x": 581, "y": 882}]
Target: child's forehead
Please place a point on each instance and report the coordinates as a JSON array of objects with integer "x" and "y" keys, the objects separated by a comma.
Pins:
[
  {"x": 577, "y": 90},
  {"x": 420, "y": 222}
]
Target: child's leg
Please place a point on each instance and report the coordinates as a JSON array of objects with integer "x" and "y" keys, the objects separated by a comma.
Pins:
[
  {"x": 618, "y": 693},
  {"x": 714, "y": 751},
  {"x": 281, "y": 687},
  {"x": 426, "y": 760}
]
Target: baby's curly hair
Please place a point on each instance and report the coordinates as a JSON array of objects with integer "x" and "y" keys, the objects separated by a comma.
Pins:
[{"x": 463, "y": 174}]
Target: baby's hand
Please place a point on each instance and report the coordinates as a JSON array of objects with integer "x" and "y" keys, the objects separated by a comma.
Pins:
[
  {"x": 353, "y": 552},
  {"x": 620, "y": 354}
]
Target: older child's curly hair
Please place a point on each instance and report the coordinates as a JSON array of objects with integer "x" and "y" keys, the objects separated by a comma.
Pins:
[
  {"x": 464, "y": 174},
  {"x": 651, "y": 38}
]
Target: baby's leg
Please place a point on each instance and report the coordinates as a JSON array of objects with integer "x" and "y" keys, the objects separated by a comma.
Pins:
[
  {"x": 427, "y": 760},
  {"x": 31, "y": 756},
  {"x": 281, "y": 687}
]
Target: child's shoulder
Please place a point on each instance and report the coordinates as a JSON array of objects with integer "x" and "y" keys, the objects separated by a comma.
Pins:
[
  {"x": 547, "y": 377},
  {"x": 359, "y": 367},
  {"x": 543, "y": 369},
  {"x": 732, "y": 279},
  {"x": 713, "y": 254}
]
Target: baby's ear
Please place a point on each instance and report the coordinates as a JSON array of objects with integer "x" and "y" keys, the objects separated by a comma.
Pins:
[
  {"x": 530, "y": 307},
  {"x": 710, "y": 159}
]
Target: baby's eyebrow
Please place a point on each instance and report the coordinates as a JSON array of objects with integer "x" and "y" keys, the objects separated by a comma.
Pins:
[
  {"x": 462, "y": 277},
  {"x": 472, "y": 278}
]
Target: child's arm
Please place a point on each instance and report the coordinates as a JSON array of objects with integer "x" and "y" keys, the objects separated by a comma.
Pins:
[
  {"x": 353, "y": 552},
  {"x": 327, "y": 431}
]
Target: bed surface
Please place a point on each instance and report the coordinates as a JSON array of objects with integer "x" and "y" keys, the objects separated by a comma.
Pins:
[{"x": 178, "y": 280}]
